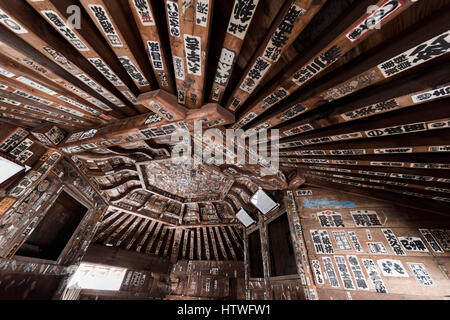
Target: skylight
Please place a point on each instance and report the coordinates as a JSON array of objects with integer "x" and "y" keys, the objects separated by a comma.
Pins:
[{"x": 96, "y": 277}]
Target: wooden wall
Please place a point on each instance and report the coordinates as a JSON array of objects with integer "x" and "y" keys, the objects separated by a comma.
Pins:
[
  {"x": 25, "y": 202},
  {"x": 412, "y": 264}
]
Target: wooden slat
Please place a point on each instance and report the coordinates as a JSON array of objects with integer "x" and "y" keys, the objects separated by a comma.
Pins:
[
  {"x": 131, "y": 228},
  {"x": 176, "y": 246},
  {"x": 439, "y": 192},
  {"x": 138, "y": 233},
  {"x": 373, "y": 70},
  {"x": 185, "y": 244},
  {"x": 199, "y": 243},
  {"x": 229, "y": 244},
  {"x": 161, "y": 239},
  {"x": 31, "y": 64},
  {"x": 319, "y": 57},
  {"x": 294, "y": 16},
  {"x": 169, "y": 240},
  {"x": 420, "y": 119},
  {"x": 35, "y": 85},
  {"x": 55, "y": 15},
  {"x": 221, "y": 245},
  {"x": 147, "y": 24},
  {"x": 146, "y": 235},
  {"x": 191, "y": 244},
  {"x": 437, "y": 176},
  {"x": 49, "y": 42},
  {"x": 17, "y": 49},
  {"x": 238, "y": 26},
  {"x": 420, "y": 195},
  {"x": 116, "y": 232},
  {"x": 213, "y": 243},
  {"x": 189, "y": 25},
  {"x": 153, "y": 238},
  {"x": 110, "y": 21},
  {"x": 110, "y": 227},
  {"x": 207, "y": 247}
]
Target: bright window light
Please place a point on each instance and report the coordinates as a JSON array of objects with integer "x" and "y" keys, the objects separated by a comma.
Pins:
[
  {"x": 244, "y": 218},
  {"x": 8, "y": 169},
  {"x": 96, "y": 277},
  {"x": 263, "y": 202}
]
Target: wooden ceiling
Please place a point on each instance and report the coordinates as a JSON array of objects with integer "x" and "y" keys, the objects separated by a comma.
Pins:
[{"x": 359, "y": 108}]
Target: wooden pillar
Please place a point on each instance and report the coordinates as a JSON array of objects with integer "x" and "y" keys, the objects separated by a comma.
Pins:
[
  {"x": 298, "y": 243},
  {"x": 246, "y": 267},
  {"x": 265, "y": 255}
]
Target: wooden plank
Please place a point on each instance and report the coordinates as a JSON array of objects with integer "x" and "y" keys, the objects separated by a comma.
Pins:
[
  {"x": 199, "y": 244},
  {"x": 189, "y": 25},
  {"x": 161, "y": 239},
  {"x": 221, "y": 245},
  {"x": 31, "y": 58},
  {"x": 427, "y": 202},
  {"x": 229, "y": 244},
  {"x": 264, "y": 237},
  {"x": 206, "y": 241},
  {"x": 185, "y": 244},
  {"x": 233, "y": 235},
  {"x": 176, "y": 246},
  {"x": 147, "y": 24},
  {"x": 131, "y": 228},
  {"x": 143, "y": 127},
  {"x": 55, "y": 15},
  {"x": 298, "y": 240},
  {"x": 110, "y": 228},
  {"x": 153, "y": 238},
  {"x": 373, "y": 70},
  {"x": 238, "y": 26},
  {"x": 110, "y": 21},
  {"x": 438, "y": 192},
  {"x": 146, "y": 235},
  {"x": 191, "y": 245},
  {"x": 438, "y": 176},
  {"x": 293, "y": 18},
  {"x": 399, "y": 94},
  {"x": 24, "y": 99},
  {"x": 138, "y": 233},
  {"x": 34, "y": 86},
  {"x": 30, "y": 111},
  {"x": 213, "y": 243},
  {"x": 54, "y": 49},
  {"x": 121, "y": 227},
  {"x": 339, "y": 40},
  {"x": 382, "y": 127},
  {"x": 169, "y": 240},
  {"x": 31, "y": 64}
]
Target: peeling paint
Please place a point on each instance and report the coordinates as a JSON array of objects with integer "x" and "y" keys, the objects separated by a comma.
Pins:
[{"x": 325, "y": 203}]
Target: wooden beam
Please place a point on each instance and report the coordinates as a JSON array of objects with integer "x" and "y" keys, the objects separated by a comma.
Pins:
[
  {"x": 386, "y": 183},
  {"x": 238, "y": 26},
  {"x": 114, "y": 27},
  {"x": 374, "y": 69},
  {"x": 340, "y": 39},
  {"x": 292, "y": 19},
  {"x": 419, "y": 120},
  {"x": 31, "y": 85},
  {"x": 176, "y": 246},
  {"x": 146, "y": 235},
  {"x": 189, "y": 26},
  {"x": 50, "y": 43},
  {"x": 85, "y": 40},
  {"x": 408, "y": 199},
  {"x": 31, "y": 63},
  {"x": 149, "y": 29}
]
